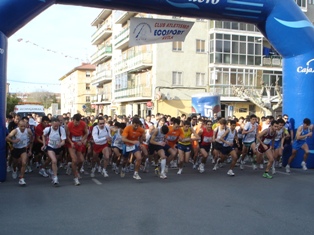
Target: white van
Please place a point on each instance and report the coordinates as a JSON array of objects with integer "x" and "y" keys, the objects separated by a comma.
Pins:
[{"x": 24, "y": 109}]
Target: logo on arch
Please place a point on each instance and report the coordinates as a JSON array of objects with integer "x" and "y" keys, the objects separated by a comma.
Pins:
[{"x": 308, "y": 68}]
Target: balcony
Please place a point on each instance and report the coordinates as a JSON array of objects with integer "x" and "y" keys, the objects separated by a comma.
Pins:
[
  {"x": 135, "y": 64},
  {"x": 102, "y": 98},
  {"x": 135, "y": 92},
  {"x": 273, "y": 61},
  {"x": 104, "y": 53},
  {"x": 120, "y": 17},
  {"x": 121, "y": 41},
  {"x": 227, "y": 91},
  {"x": 101, "y": 34},
  {"x": 101, "y": 77}
]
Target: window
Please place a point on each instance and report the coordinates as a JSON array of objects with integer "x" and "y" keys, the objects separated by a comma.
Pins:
[
  {"x": 200, "y": 79},
  {"x": 88, "y": 74},
  {"x": 200, "y": 45},
  {"x": 88, "y": 98},
  {"x": 242, "y": 110},
  {"x": 177, "y": 46},
  {"x": 177, "y": 78},
  {"x": 301, "y": 3},
  {"x": 87, "y": 86}
]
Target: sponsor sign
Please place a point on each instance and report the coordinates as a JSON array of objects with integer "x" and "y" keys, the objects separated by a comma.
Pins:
[{"x": 148, "y": 31}]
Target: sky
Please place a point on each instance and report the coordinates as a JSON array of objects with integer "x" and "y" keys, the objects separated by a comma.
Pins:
[{"x": 49, "y": 46}]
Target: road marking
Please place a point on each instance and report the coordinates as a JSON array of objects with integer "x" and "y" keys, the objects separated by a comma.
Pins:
[{"x": 96, "y": 181}]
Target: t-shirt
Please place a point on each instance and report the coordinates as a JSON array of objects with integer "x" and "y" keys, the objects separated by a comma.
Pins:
[
  {"x": 76, "y": 132},
  {"x": 54, "y": 138},
  {"x": 132, "y": 134},
  {"x": 173, "y": 136}
]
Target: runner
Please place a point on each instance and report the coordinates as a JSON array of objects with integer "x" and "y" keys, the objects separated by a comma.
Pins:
[
  {"x": 266, "y": 140},
  {"x": 132, "y": 136},
  {"x": 249, "y": 137},
  {"x": 184, "y": 144},
  {"x": 206, "y": 134},
  {"x": 101, "y": 136},
  {"x": 56, "y": 137},
  {"x": 230, "y": 143},
  {"x": 303, "y": 132},
  {"x": 20, "y": 137},
  {"x": 77, "y": 133}
]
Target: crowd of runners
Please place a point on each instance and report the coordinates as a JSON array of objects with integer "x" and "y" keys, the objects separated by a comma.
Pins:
[{"x": 136, "y": 144}]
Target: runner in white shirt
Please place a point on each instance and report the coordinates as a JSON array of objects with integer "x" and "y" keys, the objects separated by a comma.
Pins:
[
  {"x": 54, "y": 138},
  {"x": 101, "y": 135}
]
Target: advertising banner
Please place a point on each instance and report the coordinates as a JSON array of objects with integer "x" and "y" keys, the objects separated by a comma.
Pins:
[{"x": 148, "y": 31}]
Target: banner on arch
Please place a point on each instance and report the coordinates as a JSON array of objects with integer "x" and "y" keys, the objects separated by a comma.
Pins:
[{"x": 148, "y": 31}]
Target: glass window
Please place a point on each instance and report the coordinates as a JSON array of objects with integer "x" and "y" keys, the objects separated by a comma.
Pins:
[
  {"x": 177, "y": 46},
  {"x": 176, "y": 78},
  {"x": 200, "y": 45},
  {"x": 87, "y": 98},
  {"x": 218, "y": 45},
  {"x": 200, "y": 79},
  {"x": 87, "y": 86}
]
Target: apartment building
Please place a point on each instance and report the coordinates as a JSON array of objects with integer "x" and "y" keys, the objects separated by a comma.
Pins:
[
  {"x": 76, "y": 89},
  {"x": 215, "y": 56}
]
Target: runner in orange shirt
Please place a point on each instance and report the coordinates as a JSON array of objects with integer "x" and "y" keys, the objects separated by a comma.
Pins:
[{"x": 132, "y": 136}]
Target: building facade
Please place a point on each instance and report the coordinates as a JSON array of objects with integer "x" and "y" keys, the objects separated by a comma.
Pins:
[
  {"x": 161, "y": 78},
  {"x": 76, "y": 89}
]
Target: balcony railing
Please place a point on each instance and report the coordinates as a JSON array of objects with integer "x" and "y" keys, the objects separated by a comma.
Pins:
[
  {"x": 104, "y": 97},
  {"x": 122, "y": 38},
  {"x": 226, "y": 90},
  {"x": 102, "y": 76},
  {"x": 137, "y": 62},
  {"x": 274, "y": 61},
  {"x": 140, "y": 91},
  {"x": 102, "y": 33},
  {"x": 103, "y": 52}
]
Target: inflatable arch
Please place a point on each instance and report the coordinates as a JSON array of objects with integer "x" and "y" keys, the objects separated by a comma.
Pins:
[{"x": 281, "y": 21}]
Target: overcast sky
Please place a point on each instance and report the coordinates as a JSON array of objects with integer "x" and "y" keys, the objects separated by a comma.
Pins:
[{"x": 49, "y": 46}]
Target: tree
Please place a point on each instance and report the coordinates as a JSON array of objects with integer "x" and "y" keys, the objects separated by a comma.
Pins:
[
  {"x": 12, "y": 100},
  {"x": 89, "y": 108},
  {"x": 256, "y": 96},
  {"x": 46, "y": 98}
]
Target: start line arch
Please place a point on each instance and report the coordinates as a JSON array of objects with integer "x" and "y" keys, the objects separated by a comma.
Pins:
[{"x": 281, "y": 21}]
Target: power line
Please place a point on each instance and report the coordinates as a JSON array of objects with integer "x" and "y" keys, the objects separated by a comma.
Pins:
[{"x": 36, "y": 83}]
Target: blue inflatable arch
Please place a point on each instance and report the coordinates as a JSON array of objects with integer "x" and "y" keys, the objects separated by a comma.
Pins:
[{"x": 281, "y": 21}]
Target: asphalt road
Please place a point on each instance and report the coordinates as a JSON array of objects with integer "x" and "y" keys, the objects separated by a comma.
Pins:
[{"x": 191, "y": 203}]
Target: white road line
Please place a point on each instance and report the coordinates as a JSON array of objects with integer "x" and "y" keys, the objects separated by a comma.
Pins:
[{"x": 96, "y": 181}]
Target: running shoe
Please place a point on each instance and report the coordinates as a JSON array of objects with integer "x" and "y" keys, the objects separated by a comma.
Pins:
[
  {"x": 288, "y": 168},
  {"x": 201, "y": 168},
  {"x": 230, "y": 172},
  {"x": 163, "y": 176},
  {"x": 273, "y": 170},
  {"x": 29, "y": 169},
  {"x": 303, "y": 164},
  {"x": 104, "y": 173},
  {"x": 99, "y": 169},
  {"x": 55, "y": 181},
  {"x": 43, "y": 172},
  {"x": 22, "y": 182},
  {"x": 92, "y": 174},
  {"x": 122, "y": 173},
  {"x": 254, "y": 166},
  {"x": 180, "y": 171},
  {"x": 261, "y": 166},
  {"x": 267, "y": 176},
  {"x": 157, "y": 172},
  {"x": 76, "y": 182},
  {"x": 242, "y": 165},
  {"x": 166, "y": 169},
  {"x": 9, "y": 168},
  {"x": 136, "y": 176},
  {"x": 14, "y": 174}
]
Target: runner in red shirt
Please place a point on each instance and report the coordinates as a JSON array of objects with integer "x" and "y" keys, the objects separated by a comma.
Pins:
[{"x": 77, "y": 133}]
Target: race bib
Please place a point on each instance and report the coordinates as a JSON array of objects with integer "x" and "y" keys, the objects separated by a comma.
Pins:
[
  {"x": 76, "y": 138},
  {"x": 171, "y": 138},
  {"x": 207, "y": 139},
  {"x": 53, "y": 143},
  {"x": 130, "y": 148},
  {"x": 267, "y": 141}
]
